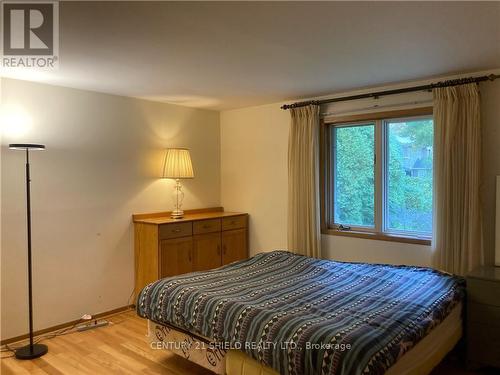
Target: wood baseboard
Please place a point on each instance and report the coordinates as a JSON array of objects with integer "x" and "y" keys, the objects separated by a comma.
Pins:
[{"x": 64, "y": 325}]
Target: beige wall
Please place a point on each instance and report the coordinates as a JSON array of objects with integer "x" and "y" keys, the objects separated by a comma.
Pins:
[
  {"x": 103, "y": 157},
  {"x": 254, "y": 171},
  {"x": 254, "y": 178}
]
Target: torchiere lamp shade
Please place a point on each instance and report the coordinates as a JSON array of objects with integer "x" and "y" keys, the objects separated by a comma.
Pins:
[
  {"x": 178, "y": 164},
  {"x": 26, "y": 146}
]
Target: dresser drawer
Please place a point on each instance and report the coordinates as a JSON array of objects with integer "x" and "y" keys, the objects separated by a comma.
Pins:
[
  {"x": 175, "y": 230},
  {"x": 483, "y": 291},
  {"x": 234, "y": 222},
  {"x": 206, "y": 226}
]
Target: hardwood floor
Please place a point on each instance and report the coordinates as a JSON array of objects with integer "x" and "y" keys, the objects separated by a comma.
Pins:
[{"x": 122, "y": 348}]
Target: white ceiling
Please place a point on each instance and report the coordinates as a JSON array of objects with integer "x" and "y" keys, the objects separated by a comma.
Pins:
[{"x": 229, "y": 55}]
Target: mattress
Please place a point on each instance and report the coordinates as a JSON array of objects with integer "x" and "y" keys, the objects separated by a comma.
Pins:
[
  {"x": 420, "y": 360},
  {"x": 300, "y": 315}
]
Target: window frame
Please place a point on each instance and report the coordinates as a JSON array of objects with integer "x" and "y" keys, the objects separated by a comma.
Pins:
[
  {"x": 331, "y": 207},
  {"x": 380, "y": 120}
]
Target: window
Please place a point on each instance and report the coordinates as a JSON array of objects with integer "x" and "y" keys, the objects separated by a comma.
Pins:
[
  {"x": 354, "y": 175},
  {"x": 408, "y": 200},
  {"x": 378, "y": 175}
]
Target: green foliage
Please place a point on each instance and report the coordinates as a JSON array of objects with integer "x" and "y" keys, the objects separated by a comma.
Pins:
[
  {"x": 409, "y": 184},
  {"x": 354, "y": 179},
  {"x": 420, "y": 132}
]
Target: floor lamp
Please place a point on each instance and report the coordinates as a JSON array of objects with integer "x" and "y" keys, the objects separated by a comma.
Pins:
[{"x": 32, "y": 350}]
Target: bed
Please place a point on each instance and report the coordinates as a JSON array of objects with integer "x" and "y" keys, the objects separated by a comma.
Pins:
[{"x": 284, "y": 313}]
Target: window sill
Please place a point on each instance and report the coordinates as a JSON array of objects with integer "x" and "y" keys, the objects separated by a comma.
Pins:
[{"x": 377, "y": 236}]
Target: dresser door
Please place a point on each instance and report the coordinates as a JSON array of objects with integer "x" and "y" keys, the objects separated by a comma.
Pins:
[
  {"x": 176, "y": 256},
  {"x": 207, "y": 251},
  {"x": 234, "y": 245}
]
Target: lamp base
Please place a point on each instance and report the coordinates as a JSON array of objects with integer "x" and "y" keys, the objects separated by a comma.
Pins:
[
  {"x": 177, "y": 214},
  {"x": 30, "y": 352}
]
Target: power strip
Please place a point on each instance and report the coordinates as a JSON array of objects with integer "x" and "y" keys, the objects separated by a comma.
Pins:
[{"x": 92, "y": 325}]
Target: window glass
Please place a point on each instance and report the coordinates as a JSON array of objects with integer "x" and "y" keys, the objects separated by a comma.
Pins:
[
  {"x": 408, "y": 203},
  {"x": 354, "y": 175}
]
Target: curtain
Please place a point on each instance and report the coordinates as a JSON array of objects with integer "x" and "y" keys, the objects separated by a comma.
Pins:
[
  {"x": 304, "y": 236},
  {"x": 457, "y": 242}
]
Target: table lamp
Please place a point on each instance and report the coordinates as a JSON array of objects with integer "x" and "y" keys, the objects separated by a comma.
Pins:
[{"x": 178, "y": 166}]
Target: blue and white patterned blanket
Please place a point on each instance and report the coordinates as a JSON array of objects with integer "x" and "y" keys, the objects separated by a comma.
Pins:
[{"x": 301, "y": 315}]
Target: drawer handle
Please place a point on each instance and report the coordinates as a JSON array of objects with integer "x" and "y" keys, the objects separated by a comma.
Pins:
[
  {"x": 206, "y": 226},
  {"x": 176, "y": 230}
]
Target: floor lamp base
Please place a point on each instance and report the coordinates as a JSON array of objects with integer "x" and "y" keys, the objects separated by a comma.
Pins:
[{"x": 30, "y": 352}]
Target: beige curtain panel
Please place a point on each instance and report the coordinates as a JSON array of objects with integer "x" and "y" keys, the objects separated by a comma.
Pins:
[
  {"x": 304, "y": 236},
  {"x": 457, "y": 242}
]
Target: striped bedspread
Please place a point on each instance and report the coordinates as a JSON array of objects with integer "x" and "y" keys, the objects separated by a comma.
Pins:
[{"x": 301, "y": 315}]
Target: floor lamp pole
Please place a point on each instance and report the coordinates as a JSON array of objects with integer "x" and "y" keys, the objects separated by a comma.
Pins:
[
  {"x": 28, "y": 218},
  {"x": 32, "y": 350}
]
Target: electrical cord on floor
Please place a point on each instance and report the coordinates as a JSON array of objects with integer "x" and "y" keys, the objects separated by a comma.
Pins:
[
  {"x": 5, "y": 350},
  {"x": 115, "y": 322},
  {"x": 7, "y": 356},
  {"x": 51, "y": 335},
  {"x": 8, "y": 348},
  {"x": 38, "y": 339}
]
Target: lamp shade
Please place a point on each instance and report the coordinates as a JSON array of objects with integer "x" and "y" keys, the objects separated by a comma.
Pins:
[
  {"x": 26, "y": 146},
  {"x": 177, "y": 164}
]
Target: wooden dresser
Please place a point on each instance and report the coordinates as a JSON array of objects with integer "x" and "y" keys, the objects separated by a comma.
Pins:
[
  {"x": 201, "y": 240},
  {"x": 483, "y": 317}
]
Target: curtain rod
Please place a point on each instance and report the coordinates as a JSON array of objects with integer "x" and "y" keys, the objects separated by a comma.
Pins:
[{"x": 377, "y": 94}]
